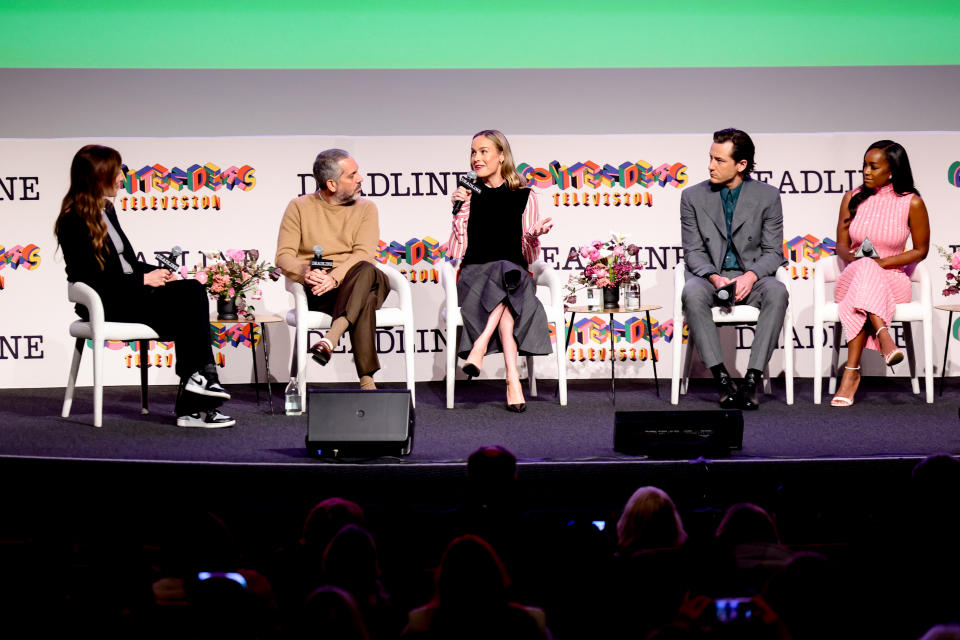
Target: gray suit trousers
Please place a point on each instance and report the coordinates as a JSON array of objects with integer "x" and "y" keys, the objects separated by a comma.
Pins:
[{"x": 768, "y": 294}]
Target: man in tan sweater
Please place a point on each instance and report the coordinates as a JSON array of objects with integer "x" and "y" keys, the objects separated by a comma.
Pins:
[{"x": 346, "y": 226}]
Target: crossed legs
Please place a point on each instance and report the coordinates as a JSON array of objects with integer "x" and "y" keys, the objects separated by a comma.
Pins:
[{"x": 501, "y": 321}]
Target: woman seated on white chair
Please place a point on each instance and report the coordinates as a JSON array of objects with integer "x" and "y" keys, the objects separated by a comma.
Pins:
[
  {"x": 497, "y": 243},
  {"x": 98, "y": 254},
  {"x": 886, "y": 209}
]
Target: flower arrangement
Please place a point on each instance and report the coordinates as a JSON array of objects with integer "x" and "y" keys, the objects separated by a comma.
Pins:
[
  {"x": 612, "y": 263},
  {"x": 236, "y": 273},
  {"x": 953, "y": 271}
]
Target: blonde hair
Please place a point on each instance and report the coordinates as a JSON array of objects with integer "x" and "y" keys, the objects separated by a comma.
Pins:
[
  {"x": 508, "y": 168},
  {"x": 649, "y": 521}
]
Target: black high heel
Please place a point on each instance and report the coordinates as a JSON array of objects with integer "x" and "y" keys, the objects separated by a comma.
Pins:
[
  {"x": 519, "y": 407},
  {"x": 471, "y": 370}
]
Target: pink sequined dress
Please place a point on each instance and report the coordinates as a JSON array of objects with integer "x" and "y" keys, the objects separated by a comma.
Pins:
[{"x": 864, "y": 286}]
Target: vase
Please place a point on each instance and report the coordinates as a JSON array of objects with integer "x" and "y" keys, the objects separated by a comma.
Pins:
[
  {"x": 226, "y": 308},
  {"x": 611, "y": 297}
]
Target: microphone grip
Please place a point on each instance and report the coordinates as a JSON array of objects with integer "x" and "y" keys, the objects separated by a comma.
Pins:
[
  {"x": 320, "y": 263},
  {"x": 167, "y": 263},
  {"x": 457, "y": 206}
]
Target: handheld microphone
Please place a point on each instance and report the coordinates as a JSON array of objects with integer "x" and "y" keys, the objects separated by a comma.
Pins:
[
  {"x": 470, "y": 182},
  {"x": 724, "y": 296},
  {"x": 318, "y": 262},
  {"x": 170, "y": 262}
]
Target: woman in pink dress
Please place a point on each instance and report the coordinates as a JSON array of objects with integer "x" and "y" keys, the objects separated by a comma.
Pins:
[{"x": 886, "y": 209}]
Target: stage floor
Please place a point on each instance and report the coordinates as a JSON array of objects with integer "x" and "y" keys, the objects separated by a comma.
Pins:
[{"x": 886, "y": 421}]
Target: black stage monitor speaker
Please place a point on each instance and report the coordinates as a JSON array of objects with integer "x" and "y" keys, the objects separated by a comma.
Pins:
[
  {"x": 356, "y": 424},
  {"x": 678, "y": 434}
]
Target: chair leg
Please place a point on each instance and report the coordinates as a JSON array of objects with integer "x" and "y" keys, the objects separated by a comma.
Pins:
[
  {"x": 300, "y": 345},
  {"x": 817, "y": 361},
  {"x": 677, "y": 360},
  {"x": 451, "y": 363},
  {"x": 911, "y": 357},
  {"x": 561, "y": 350},
  {"x": 409, "y": 362},
  {"x": 788, "y": 356},
  {"x": 97, "y": 382},
  {"x": 767, "y": 390},
  {"x": 531, "y": 377},
  {"x": 144, "y": 346},
  {"x": 72, "y": 378},
  {"x": 928, "y": 357},
  {"x": 835, "y": 358}
]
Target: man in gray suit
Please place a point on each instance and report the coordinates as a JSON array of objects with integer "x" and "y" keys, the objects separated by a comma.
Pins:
[{"x": 732, "y": 234}]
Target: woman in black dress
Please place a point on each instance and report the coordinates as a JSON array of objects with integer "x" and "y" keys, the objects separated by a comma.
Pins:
[
  {"x": 98, "y": 254},
  {"x": 496, "y": 233}
]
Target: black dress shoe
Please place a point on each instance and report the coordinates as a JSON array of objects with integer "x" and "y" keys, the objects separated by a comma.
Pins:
[
  {"x": 747, "y": 393},
  {"x": 321, "y": 351},
  {"x": 727, "y": 390},
  {"x": 517, "y": 408}
]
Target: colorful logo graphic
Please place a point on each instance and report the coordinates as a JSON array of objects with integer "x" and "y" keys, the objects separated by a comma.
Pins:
[
  {"x": 807, "y": 248},
  {"x": 953, "y": 174},
  {"x": 590, "y": 175},
  {"x": 414, "y": 251},
  {"x": 17, "y": 257},
  {"x": 162, "y": 187},
  {"x": 592, "y": 333}
]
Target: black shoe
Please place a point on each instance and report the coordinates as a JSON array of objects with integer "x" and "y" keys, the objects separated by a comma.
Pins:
[
  {"x": 471, "y": 370},
  {"x": 727, "y": 390},
  {"x": 205, "y": 385},
  {"x": 321, "y": 351},
  {"x": 210, "y": 420},
  {"x": 747, "y": 393}
]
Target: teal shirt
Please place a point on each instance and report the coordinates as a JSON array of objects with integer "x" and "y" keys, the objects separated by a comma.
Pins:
[{"x": 729, "y": 198}]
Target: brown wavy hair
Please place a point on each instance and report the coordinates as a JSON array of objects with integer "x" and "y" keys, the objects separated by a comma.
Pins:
[
  {"x": 508, "y": 168},
  {"x": 94, "y": 168}
]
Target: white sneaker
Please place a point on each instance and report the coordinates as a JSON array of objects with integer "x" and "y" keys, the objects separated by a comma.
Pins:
[
  {"x": 201, "y": 385},
  {"x": 211, "y": 420}
]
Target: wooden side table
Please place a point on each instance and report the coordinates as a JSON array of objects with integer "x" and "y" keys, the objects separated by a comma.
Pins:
[
  {"x": 951, "y": 308},
  {"x": 646, "y": 308},
  {"x": 257, "y": 319}
]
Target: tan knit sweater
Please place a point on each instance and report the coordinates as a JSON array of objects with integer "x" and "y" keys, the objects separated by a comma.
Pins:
[{"x": 348, "y": 234}]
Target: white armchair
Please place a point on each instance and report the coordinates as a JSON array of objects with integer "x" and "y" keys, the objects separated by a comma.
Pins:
[
  {"x": 302, "y": 320},
  {"x": 827, "y": 271},
  {"x": 97, "y": 330},
  {"x": 543, "y": 276},
  {"x": 741, "y": 314}
]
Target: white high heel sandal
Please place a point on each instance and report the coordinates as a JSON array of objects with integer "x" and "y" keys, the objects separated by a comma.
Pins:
[
  {"x": 895, "y": 356},
  {"x": 843, "y": 401}
]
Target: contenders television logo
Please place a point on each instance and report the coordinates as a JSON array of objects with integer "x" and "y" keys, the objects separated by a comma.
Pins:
[
  {"x": 156, "y": 188},
  {"x": 580, "y": 182}
]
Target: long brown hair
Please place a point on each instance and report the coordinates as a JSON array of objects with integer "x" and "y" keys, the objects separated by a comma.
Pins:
[
  {"x": 94, "y": 168},
  {"x": 508, "y": 168}
]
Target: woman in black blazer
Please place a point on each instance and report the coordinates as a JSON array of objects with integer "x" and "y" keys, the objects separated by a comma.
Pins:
[{"x": 98, "y": 254}]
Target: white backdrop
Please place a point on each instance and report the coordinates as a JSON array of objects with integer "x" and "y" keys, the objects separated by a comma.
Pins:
[{"x": 406, "y": 178}]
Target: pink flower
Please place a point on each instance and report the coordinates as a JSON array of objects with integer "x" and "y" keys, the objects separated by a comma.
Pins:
[
  {"x": 947, "y": 292},
  {"x": 237, "y": 255},
  {"x": 597, "y": 244},
  {"x": 216, "y": 287},
  {"x": 201, "y": 277},
  {"x": 585, "y": 251},
  {"x": 955, "y": 261},
  {"x": 184, "y": 272},
  {"x": 603, "y": 281},
  {"x": 232, "y": 293},
  {"x": 618, "y": 251},
  {"x": 594, "y": 254}
]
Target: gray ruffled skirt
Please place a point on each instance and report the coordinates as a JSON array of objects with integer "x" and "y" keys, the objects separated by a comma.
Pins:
[{"x": 481, "y": 287}]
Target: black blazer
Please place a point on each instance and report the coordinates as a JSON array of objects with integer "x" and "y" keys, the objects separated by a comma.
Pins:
[{"x": 119, "y": 292}]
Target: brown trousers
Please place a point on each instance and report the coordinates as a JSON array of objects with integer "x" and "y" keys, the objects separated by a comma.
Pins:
[{"x": 358, "y": 297}]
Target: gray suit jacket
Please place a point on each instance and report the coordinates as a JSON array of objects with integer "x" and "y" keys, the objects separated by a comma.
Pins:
[{"x": 757, "y": 229}]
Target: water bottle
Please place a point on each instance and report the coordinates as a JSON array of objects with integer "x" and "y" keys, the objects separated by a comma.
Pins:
[{"x": 292, "y": 403}]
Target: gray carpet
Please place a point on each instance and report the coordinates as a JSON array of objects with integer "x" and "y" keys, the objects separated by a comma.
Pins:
[{"x": 887, "y": 420}]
